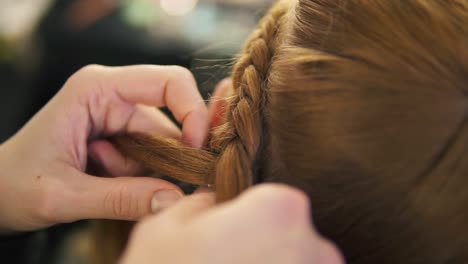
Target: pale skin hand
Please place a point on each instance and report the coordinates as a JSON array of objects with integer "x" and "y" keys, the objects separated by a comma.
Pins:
[
  {"x": 42, "y": 179},
  {"x": 43, "y": 183},
  {"x": 267, "y": 225}
]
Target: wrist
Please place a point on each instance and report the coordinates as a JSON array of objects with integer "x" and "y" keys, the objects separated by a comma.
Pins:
[
  {"x": 5, "y": 171},
  {"x": 14, "y": 203}
]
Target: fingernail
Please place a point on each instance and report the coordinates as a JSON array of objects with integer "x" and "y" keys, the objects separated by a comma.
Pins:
[{"x": 164, "y": 199}]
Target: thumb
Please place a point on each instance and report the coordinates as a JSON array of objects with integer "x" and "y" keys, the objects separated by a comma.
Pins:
[
  {"x": 328, "y": 253},
  {"x": 123, "y": 198}
]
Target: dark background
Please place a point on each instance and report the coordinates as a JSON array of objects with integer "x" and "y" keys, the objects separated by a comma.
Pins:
[{"x": 60, "y": 45}]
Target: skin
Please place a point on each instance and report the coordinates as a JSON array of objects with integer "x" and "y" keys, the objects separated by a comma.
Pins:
[
  {"x": 268, "y": 224},
  {"x": 44, "y": 180}
]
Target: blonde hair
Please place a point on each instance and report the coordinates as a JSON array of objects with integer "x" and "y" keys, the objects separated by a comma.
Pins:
[{"x": 363, "y": 105}]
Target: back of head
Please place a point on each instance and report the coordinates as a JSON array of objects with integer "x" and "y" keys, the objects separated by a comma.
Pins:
[
  {"x": 363, "y": 104},
  {"x": 369, "y": 114}
]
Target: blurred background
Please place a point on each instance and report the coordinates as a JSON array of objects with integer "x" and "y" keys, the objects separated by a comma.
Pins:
[{"x": 43, "y": 42}]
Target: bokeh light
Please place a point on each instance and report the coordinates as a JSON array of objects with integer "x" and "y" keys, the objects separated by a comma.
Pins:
[{"x": 178, "y": 7}]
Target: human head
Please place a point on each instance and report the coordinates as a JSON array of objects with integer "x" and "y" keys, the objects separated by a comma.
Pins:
[{"x": 362, "y": 104}]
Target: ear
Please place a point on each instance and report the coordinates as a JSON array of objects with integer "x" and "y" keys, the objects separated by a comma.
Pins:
[{"x": 218, "y": 102}]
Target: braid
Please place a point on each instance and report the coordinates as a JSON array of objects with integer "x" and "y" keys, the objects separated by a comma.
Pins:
[
  {"x": 234, "y": 146},
  {"x": 238, "y": 140}
]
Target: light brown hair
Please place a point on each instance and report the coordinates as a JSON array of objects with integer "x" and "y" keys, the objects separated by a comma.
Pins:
[{"x": 363, "y": 104}]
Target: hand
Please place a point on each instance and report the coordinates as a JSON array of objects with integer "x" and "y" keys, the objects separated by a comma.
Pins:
[
  {"x": 268, "y": 224},
  {"x": 42, "y": 179}
]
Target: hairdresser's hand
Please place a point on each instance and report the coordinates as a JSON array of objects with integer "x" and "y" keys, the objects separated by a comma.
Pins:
[
  {"x": 268, "y": 224},
  {"x": 42, "y": 179}
]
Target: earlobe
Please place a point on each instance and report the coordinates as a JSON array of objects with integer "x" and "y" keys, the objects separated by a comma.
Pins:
[{"x": 219, "y": 102}]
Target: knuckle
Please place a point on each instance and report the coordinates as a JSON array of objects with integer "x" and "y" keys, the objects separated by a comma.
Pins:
[
  {"x": 284, "y": 201},
  {"x": 121, "y": 203},
  {"x": 91, "y": 69},
  {"x": 87, "y": 72},
  {"x": 203, "y": 198},
  {"x": 302, "y": 247},
  {"x": 181, "y": 72},
  {"x": 329, "y": 253}
]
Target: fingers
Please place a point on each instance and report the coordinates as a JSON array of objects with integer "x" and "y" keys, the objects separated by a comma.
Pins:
[
  {"x": 144, "y": 119},
  {"x": 122, "y": 198},
  {"x": 289, "y": 207},
  {"x": 189, "y": 207},
  {"x": 111, "y": 93},
  {"x": 327, "y": 253},
  {"x": 285, "y": 204},
  {"x": 147, "y": 119},
  {"x": 150, "y": 85},
  {"x": 112, "y": 161},
  {"x": 169, "y": 86}
]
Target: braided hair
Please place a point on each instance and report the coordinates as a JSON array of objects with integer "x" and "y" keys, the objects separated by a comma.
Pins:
[
  {"x": 229, "y": 161},
  {"x": 240, "y": 138},
  {"x": 375, "y": 105}
]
